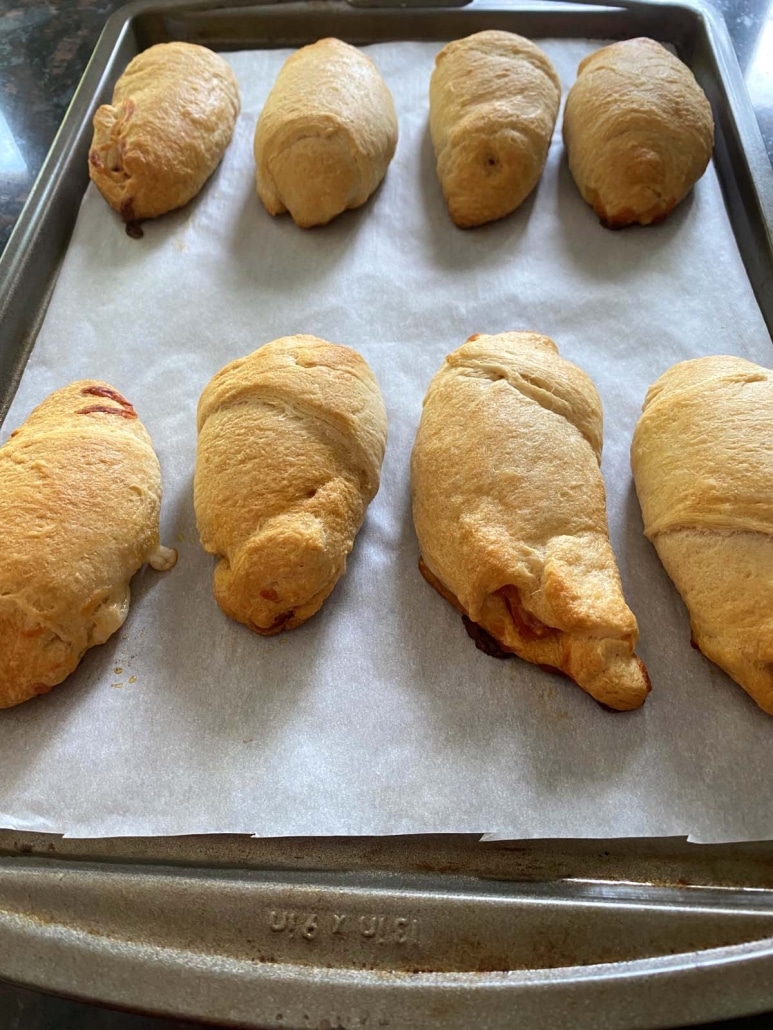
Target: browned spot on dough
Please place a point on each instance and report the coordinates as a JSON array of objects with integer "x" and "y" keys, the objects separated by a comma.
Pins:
[
  {"x": 95, "y": 159},
  {"x": 526, "y": 624},
  {"x": 646, "y": 675},
  {"x": 269, "y": 594},
  {"x": 484, "y": 641},
  {"x": 106, "y": 391},
  {"x": 107, "y": 411},
  {"x": 133, "y": 228},
  {"x": 32, "y": 632}
]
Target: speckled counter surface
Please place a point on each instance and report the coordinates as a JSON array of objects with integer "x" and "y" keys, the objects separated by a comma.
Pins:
[{"x": 44, "y": 48}]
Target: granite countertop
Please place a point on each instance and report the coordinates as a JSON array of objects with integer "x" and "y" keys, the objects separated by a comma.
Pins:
[{"x": 44, "y": 48}]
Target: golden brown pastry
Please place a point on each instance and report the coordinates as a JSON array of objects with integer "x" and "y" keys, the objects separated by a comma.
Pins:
[
  {"x": 291, "y": 440},
  {"x": 171, "y": 119},
  {"x": 326, "y": 134},
  {"x": 493, "y": 102},
  {"x": 638, "y": 131},
  {"x": 80, "y": 493},
  {"x": 702, "y": 459},
  {"x": 510, "y": 511}
]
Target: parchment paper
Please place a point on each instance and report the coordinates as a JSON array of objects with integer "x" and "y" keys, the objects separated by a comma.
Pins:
[{"x": 379, "y": 716}]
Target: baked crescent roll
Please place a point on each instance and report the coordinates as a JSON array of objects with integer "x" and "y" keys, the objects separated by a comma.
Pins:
[
  {"x": 291, "y": 440},
  {"x": 326, "y": 134},
  {"x": 702, "y": 459},
  {"x": 510, "y": 511},
  {"x": 80, "y": 493},
  {"x": 638, "y": 131},
  {"x": 493, "y": 102},
  {"x": 171, "y": 119}
]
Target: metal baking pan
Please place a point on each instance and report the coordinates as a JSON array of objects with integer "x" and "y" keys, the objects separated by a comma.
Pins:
[{"x": 400, "y": 931}]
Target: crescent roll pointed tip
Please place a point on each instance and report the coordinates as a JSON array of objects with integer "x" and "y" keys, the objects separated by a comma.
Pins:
[
  {"x": 509, "y": 509},
  {"x": 291, "y": 441}
]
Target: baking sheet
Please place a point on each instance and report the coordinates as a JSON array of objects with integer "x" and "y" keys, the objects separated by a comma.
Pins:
[{"x": 379, "y": 716}]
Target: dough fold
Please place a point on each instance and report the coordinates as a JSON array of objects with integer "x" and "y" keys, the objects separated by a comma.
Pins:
[
  {"x": 494, "y": 99},
  {"x": 638, "y": 130},
  {"x": 702, "y": 459},
  {"x": 80, "y": 495},
  {"x": 509, "y": 509},
  {"x": 326, "y": 134},
  {"x": 171, "y": 118},
  {"x": 291, "y": 441}
]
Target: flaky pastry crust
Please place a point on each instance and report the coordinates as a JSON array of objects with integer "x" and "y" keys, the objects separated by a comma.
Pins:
[
  {"x": 326, "y": 134},
  {"x": 171, "y": 118},
  {"x": 702, "y": 459},
  {"x": 510, "y": 511},
  {"x": 80, "y": 495},
  {"x": 638, "y": 131},
  {"x": 291, "y": 441},
  {"x": 494, "y": 99}
]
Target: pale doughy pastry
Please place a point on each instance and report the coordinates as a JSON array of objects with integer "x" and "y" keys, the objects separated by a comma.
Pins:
[
  {"x": 80, "y": 493},
  {"x": 493, "y": 102},
  {"x": 170, "y": 121},
  {"x": 509, "y": 509},
  {"x": 326, "y": 134},
  {"x": 291, "y": 440},
  {"x": 702, "y": 459},
  {"x": 638, "y": 131}
]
